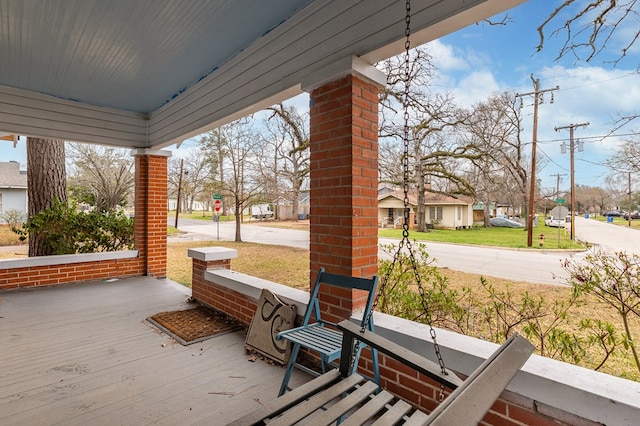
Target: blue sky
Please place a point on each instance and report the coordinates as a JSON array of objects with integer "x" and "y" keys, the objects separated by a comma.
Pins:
[{"x": 481, "y": 60}]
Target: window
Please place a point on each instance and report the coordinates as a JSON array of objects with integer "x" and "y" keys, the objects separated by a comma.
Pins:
[
  {"x": 435, "y": 213},
  {"x": 459, "y": 212},
  {"x": 0, "y": 202}
]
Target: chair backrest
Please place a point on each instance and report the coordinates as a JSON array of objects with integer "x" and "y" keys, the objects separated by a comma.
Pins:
[{"x": 369, "y": 285}]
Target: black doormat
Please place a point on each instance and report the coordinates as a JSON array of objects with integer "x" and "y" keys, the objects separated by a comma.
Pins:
[{"x": 194, "y": 325}]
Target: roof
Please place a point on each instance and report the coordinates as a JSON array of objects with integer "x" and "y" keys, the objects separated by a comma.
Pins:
[
  {"x": 11, "y": 176},
  {"x": 149, "y": 73},
  {"x": 430, "y": 197}
]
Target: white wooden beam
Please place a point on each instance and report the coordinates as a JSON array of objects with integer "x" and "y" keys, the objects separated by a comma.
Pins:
[{"x": 38, "y": 115}]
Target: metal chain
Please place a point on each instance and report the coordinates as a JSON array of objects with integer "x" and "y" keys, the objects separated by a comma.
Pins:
[{"x": 407, "y": 210}]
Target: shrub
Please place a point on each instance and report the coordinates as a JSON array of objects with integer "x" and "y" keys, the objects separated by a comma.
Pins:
[
  {"x": 12, "y": 217},
  {"x": 67, "y": 230}
]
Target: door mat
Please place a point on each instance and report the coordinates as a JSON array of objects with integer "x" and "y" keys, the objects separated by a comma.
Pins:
[{"x": 194, "y": 325}]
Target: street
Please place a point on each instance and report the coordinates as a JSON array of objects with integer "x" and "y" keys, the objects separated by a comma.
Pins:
[{"x": 536, "y": 266}]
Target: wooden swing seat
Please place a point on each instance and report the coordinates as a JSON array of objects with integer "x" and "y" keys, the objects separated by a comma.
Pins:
[{"x": 340, "y": 396}]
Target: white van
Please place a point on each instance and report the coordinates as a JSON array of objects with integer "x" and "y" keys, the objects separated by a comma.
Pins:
[{"x": 261, "y": 211}]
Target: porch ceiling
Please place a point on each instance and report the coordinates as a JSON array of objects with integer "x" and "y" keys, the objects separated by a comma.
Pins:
[{"x": 148, "y": 73}]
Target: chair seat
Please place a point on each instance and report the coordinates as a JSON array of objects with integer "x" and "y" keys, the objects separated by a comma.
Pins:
[{"x": 316, "y": 337}]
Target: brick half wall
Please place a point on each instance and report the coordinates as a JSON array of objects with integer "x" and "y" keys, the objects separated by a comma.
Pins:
[{"x": 53, "y": 270}]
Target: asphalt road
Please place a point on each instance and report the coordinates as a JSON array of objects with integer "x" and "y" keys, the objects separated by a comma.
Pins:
[{"x": 521, "y": 265}]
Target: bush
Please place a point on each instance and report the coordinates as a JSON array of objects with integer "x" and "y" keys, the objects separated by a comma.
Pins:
[
  {"x": 68, "y": 231},
  {"x": 494, "y": 314},
  {"x": 12, "y": 217}
]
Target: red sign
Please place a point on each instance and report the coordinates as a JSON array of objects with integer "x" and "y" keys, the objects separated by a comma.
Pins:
[{"x": 217, "y": 205}]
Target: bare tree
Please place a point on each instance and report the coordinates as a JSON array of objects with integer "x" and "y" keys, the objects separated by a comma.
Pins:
[
  {"x": 213, "y": 145},
  {"x": 103, "y": 176},
  {"x": 236, "y": 146},
  {"x": 626, "y": 158},
  {"x": 197, "y": 172},
  {"x": 591, "y": 27},
  {"x": 501, "y": 169},
  {"x": 46, "y": 183},
  {"x": 289, "y": 138},
  {"x": 434, "y": 148}
]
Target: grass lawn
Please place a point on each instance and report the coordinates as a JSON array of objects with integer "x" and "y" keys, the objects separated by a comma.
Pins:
[
  {"x": 284, "y": 265},
  {"x": 495, "y": 236},
  {"x": 619, "y": 221}
]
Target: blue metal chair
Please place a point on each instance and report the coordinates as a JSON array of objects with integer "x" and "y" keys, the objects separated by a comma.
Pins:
[{"x": 321, "y": 336}]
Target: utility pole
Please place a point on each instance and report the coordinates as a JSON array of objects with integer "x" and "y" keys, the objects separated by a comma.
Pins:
[
  {"x": 630, "y": 202},
  {"x": 557, "y": 175},
  {"x": 179, "y": 190},
  {"x": 537, "y": 96},
  {"x": 571, "y": 127}
]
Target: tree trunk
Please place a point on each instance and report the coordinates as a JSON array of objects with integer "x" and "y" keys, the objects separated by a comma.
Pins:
[
  {"x": 239, "y": 207},
  {"x": 46, "y": 182}
]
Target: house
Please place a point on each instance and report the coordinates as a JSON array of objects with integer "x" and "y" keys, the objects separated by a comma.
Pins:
[
  {"x": 13, "y": 189},
  {"x": 285, "y": 209},
  {"x": 442, "y": 211}
]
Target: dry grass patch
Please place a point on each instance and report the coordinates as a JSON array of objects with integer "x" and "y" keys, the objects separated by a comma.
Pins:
[
  {"x": 284, "y": 265},
  {"x": 8, "y": 237}
]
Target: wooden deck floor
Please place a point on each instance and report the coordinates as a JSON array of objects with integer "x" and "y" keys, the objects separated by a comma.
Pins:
[{"x": 84, "y": 355}]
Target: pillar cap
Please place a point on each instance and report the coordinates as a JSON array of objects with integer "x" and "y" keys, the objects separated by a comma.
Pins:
[
  {"x": 207, "y": 254},
  {"x": 154, "y": 152},
  {"x": 351, "y": 65}
]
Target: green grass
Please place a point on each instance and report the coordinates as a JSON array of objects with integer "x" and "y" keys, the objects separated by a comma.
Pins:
[
  {"x": 619, "y": 221},
  {"x": 495, "y": 236},
  {"x": 198, "y": 215}
]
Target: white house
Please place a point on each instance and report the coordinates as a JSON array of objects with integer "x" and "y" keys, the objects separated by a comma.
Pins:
[
  {"x": 13, "y": 189},
  {"x": 442, "y": 211}
]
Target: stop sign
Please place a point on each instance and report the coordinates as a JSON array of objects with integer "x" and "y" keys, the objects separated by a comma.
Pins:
[{"x": 217, "y": 205}]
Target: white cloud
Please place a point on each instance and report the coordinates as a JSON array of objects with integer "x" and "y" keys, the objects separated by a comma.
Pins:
[{"x": 446, "y": 58}]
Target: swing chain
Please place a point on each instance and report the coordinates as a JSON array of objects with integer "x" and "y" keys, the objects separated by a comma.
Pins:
[{"x": 407, "y": 215}]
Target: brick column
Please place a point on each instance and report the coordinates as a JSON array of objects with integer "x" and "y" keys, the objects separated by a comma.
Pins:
[
  {"x": 151, "y": 210},
  {"x": 344, "y": 179}
]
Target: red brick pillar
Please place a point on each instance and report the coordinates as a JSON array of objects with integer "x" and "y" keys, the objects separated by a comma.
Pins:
[
  {"x": 344, "y": 180},
  {"x": 151, "y": 211}
]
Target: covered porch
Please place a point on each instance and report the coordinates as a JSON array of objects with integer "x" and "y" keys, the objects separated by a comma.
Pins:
[{"x": 110, "y": 73}]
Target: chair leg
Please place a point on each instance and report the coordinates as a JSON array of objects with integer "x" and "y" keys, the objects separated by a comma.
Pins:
[{"x": 292, "y": 362}]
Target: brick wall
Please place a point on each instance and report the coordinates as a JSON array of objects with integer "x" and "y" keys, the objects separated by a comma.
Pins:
[
  {"x": 232, "y": 303},
  {"x": 34, "y": 276}
]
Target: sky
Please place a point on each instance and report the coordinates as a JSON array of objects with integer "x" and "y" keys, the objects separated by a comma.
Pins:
[{"x": 481, "y": 60}]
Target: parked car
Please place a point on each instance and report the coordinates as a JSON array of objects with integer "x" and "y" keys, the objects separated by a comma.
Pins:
[
  {"x": 504, "y": 222},
  {"x": 634, "y": 215},
  {"x": 556, "y": 222},
  {"x": 614, "y": 213}
]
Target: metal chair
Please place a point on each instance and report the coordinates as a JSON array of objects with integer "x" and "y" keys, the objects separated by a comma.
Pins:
[{"x": 321, "y": 336}]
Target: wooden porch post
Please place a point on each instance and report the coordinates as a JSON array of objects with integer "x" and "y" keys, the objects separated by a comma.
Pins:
[
  {"x": 151, "y": 210},
  {"x": 344, "y": 178}
]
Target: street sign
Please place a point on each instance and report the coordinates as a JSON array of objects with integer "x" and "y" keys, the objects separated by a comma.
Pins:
[
  {"x": 217, "y": 196},
  {"x": 560, "y": 201},
  {"x": 217, "y": 205}
]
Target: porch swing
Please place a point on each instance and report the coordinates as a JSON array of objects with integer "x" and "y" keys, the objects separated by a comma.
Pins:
[{"x": 343, "y": 395}]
